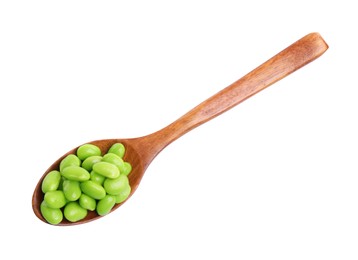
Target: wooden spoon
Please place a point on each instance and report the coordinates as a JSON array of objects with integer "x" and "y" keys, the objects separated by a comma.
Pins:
[{"x": 141, "y": 151}]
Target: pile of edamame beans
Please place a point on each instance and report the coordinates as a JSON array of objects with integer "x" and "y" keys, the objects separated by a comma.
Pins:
[{"x": 86, "y": 181}]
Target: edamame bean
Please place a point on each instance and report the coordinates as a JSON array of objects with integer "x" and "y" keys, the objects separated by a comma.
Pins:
[
  {"x": 114, "y": 159},
  {"x": 124, "y": 194},
  {"x": 93, "y": 189},
  {"x": 75, "y": 173},
  {"x": 89, "y": 161},
  {"x": 55, "y": 199},
  {"x": 97, "y": 177},
  {"x": 118, "y": 149},
  {"x": 127, "y": 168},
  {"x": 106, "y": 169},
  {"x": 52, "y": 216},
  {"x": 87, "y": 202},
  {"x": 51, "y": 181},
  {"x": 105, "y": 205},
  {"x": 87, "y": 150},
  {"x": 69, "y": 160},
  {"x": 74, "y": 212},
  {"x": 115, "y": 186},
  {"x": 71, "y": 189}
]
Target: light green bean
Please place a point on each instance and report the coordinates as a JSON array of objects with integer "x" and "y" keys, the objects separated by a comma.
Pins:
[
  {"x": 73, "y": 212},
  {"x": 71, "y": 189},
  {"x": 75, "y": 173},
  {"x": 118, "y": 149},
  {"x": 69, "y": 160},
  {"x": 89, "y": 161},
  {"x": 55, "y": 199},
  {"x": 87, "y": 150},
  {"x": 115, "y": 186},
  {"x": 106, "y": 169},
  {"x": 87, "y": 202},
  {"x": 52, "y": 216},
  {"x": 93, "y": 189},
  {"x": 124, "y": 194},
  {"x": 51, "y": 181},
  {"x": 105, "y": 205}
]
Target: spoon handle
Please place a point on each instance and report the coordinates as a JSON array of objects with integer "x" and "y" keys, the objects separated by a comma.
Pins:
[{"x": 282, "y": 64}]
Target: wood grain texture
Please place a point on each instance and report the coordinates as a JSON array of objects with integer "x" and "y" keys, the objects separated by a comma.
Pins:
[{"x": 142, "y": 150}]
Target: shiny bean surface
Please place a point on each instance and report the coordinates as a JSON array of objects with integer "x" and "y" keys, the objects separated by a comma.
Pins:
[
  {"x": 74, "y": 212},
  {"x": 75, "y": 173},
  {"x": 87, "y": 202},
  {"x": 115, "y": 186},
  {"x": 117, "y": 149},
  {"x": 114, "y": 159},
  {"x": 89, "y": 161},
  {"x": 55, "y": 199},
  {"x": 52, "y": 216},
  {"x": 71, "y": 189},
  {"x": 105, "y": 205},
  {"x": 106, "y": 169},
  {"x": 51, "y": 181},
  {"x": 97, "y": 177},
  {"x": 93, "y": 189},
  {"x": 127, "y": 168},
  {"x": 87, "y": 150},
  {"x": 69, "y": 160},
  {"x": 124, "y": 194}
]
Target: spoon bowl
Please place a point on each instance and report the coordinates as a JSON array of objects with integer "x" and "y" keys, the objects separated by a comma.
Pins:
[
  {"x": 142, "y": 150},
  {"x": 134, "y": 177}
]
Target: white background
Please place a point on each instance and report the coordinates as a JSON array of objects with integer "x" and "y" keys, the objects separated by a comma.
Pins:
[{"x": 274, "y": 178}]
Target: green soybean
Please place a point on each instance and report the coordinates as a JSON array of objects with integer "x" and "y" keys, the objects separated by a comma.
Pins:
[
  {"x": 71, "y": 189},
  {"x": 105, "y": 205},
  {"x": 89, "y": 161},
  {"x": 118, "y": 149},
  {"x": 116, "y": 186},
  {"x": 52, "y": 216},
  {"x": 55, "y": 199},
  {"x": 106, "y": 169},
  {"x": 69, "y": 160},
  {"x": 98, "y": 178},
  {"x": 127, "y": 168},
  {"x": 93, "y": 189},
  {"x": 87, "y": 202},
  {"x": 114, "y": 159},
  {"x": 51, "y": 181},
  {"x": 87, "y": 150},
  {"x": 124, "y": 194},
  {"x": 75, "y": 173},
  {"x": 73, "y": 212}
]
